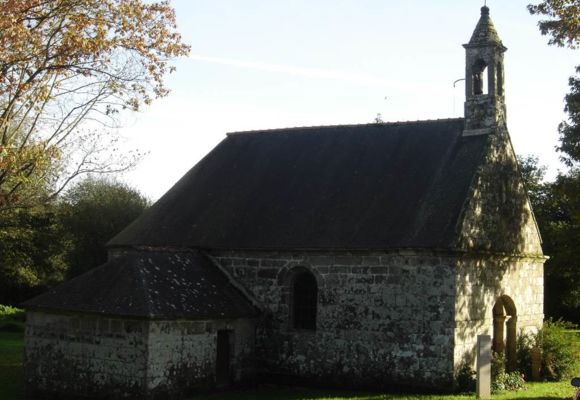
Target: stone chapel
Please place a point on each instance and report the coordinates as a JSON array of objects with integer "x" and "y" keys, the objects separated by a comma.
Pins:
[{"x": 354, "y": 255}]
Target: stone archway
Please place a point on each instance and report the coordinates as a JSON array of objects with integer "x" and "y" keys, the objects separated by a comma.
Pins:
[{"x": 505, "y": 330}]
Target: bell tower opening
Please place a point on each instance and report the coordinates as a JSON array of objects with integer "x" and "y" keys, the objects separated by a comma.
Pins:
[
  {"x": 479, "y": 77},
  {"x": 484, "y": 76}
]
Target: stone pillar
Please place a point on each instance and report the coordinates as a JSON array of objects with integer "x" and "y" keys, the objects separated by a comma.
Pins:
[
  {"x": 511, "y": 350},
  {"x": 498, "y": 333},
  {"x": 536, "y": 355},
  {"x": 483, "y": 367}
]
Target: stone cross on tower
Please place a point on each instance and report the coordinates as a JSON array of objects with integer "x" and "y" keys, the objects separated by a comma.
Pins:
[{"x": 484, "y": 78}]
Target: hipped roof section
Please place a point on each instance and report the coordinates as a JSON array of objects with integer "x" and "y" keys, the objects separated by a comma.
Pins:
[
  {"x": 375, "y": 186},
  {"x": 151, "y": 284}
]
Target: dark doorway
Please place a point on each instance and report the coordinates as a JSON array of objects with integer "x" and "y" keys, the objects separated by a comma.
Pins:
[{"x": 223, "y": 358}]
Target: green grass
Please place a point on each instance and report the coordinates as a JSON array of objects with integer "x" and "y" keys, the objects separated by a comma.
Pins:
[
  {"x": 575, "y": 333},
  {"x": 11, "y": 352},
  {"x": 11, "y": 376},
  {"x": 535, "y": 390}
]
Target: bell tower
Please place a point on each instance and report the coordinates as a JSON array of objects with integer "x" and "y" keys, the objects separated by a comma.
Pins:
[{"x": 484, "y": 79}]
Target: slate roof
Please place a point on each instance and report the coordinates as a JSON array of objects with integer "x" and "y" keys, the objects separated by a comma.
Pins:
[
  {"x": 375, "y": 186},
  {"x": 152, "y": 284}
]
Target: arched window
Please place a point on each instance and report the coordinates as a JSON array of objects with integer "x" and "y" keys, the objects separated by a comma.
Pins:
[{"x": 304, "y": 300}]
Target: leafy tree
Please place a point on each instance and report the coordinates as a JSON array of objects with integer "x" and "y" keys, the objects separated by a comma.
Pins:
[
  {"x": 31, "y": 252},
  {"x": 95, "y": 210},
  {"x": 67, "y": 67},
  {"x": 562, "y": 240},
  {"x": 563, "y": 29},
  {"x": 563, "y": 23},
  {"x": 43, "y": 245},
  {"x": 555, "y": 206},
  {"x": 570, "y": 130},
  {"x": 559, "y": 218},
  {"x": 533, "y": 175}
]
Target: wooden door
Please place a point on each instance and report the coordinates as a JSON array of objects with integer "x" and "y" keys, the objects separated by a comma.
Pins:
[{"x": 223, "y": 358}]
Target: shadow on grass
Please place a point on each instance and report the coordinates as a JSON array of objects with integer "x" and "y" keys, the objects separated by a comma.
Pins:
[
  {"x": 11, "y": 373},
  {"x": 269, "y": 392},
  {"x": 11, "y": 382}
]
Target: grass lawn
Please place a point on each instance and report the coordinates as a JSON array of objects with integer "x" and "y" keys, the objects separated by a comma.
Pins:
[
  {"x": 11, "y": 385},
  {"x": 11, "y": 377},
  {"x": 535, "y": 391}
]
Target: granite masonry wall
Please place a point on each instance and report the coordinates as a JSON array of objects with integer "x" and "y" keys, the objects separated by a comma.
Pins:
[
  {"x": 479, "y": 285},
  {"x": 499, "y": 232},
  {"x": 497, "y": 217},
  {"x": 182, "y": 354},
  {"x": 89, "y": 356},
  {"x": 381, "y": 318},
  {"x": 84, "y": 355}
]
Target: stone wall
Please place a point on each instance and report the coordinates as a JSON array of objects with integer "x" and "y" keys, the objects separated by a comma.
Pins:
[
  {"x": 84, "y": 355},
  {"x": 498, "y": 229},
  {"x": 498, "y": 217},
  {"x": 103, "y": 357},
  {"x": 182, "y": 354},
  {"x": 382, "y": 317},
  {"x": 480, "y": 283}
]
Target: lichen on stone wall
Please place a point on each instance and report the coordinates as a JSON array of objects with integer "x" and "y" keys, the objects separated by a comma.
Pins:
[
  {"x": 497, "y": 216},
  {"x": 84, "y": 355},
  {"x": 382, "y": 317},
  {"x": 481, "y": 282},
  {"x": 112, "y": 357}
]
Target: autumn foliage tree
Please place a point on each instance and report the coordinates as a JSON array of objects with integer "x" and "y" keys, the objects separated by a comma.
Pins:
[
  {"x": 67, "y": 67},
  {"x": 562, "y": 23}
]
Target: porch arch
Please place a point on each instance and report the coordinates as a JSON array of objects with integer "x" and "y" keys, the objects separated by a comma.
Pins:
[{"x": 505, "y": 321}]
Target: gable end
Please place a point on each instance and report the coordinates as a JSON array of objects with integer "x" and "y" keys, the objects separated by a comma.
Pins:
[{"x": 497, "y": 215}]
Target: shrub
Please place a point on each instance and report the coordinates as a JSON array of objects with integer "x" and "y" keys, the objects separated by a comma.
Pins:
[
  {"x": 11, "y": 313},
  {"x": 497, "y": 365},
  {"x": 11, "y": 319},
  {"x": 465, "y": 378},
  {"x": 524, "y": 345},
  {"x": 500, "y": 379},
  {"x": 558, "y": 359},
  {"x": 507, "y": 382},
  {"x": 557, "y": 348}
]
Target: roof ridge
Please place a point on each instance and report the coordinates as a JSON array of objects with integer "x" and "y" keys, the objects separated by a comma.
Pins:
[{"x": 394, "y": 123}]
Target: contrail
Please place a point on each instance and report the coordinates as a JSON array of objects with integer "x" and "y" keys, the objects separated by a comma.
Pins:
[{"x": 318, "y": 73}]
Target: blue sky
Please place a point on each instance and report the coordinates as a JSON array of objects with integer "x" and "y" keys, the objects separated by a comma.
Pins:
[{"x": 274, "y": 64}]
